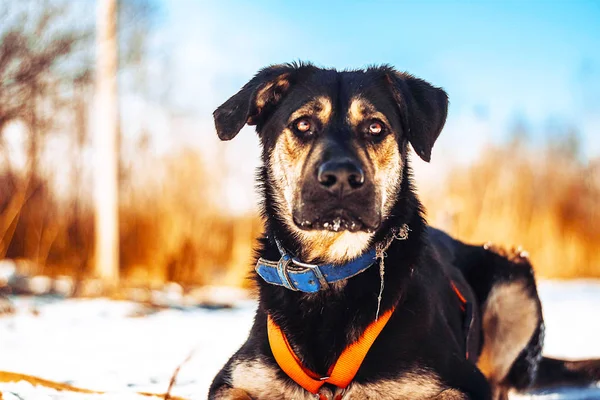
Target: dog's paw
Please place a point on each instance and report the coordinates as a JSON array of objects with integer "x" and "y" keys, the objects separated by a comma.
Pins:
[
  {"x": 452, "y": 394},
  {"x": 232, "y": 394}
]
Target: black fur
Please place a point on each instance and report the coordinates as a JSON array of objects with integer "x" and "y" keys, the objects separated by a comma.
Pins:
[
  {"x": 426, "y": 331},
  {"x": 424, "y": 109}
]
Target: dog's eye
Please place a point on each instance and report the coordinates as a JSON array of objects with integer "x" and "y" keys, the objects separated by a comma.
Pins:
[
  {"x": 375, "y": 128},
  {"x": 303, "y": 126}
]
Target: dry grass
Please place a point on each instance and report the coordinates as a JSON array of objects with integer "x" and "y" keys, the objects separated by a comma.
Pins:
[
  {"x": 172, "y": 227},
  {"x": 6, "y": 376},
  {"x": 547, "y": 201}
]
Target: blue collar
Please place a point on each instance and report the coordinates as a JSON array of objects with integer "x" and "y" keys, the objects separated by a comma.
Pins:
[{"x": 295, "y": 275}]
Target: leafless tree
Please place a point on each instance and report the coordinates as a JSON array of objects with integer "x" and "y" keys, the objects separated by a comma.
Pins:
[
  {"x": 38, "y": 64},
  {"x": 106, "y": 150}
]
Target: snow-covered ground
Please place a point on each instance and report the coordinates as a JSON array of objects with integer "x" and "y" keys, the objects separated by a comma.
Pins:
[{"x": 105, "y": 345}]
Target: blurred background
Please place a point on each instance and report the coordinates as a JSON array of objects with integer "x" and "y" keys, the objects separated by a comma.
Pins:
[{"x": 126, "y": 184}]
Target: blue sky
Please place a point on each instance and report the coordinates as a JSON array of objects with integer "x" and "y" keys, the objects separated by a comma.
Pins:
[{"x": 536, "y": 63}]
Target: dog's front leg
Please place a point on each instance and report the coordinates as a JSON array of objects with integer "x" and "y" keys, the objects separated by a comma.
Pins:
[
  {"x": 253, "y": 377},
  {"x": 452, "y": 394},
  {"x": 222, "y": 387},
  {"x": 226, "y": 393}
]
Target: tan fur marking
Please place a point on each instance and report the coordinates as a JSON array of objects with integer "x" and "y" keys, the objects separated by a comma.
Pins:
[
  {"x": 388, "y": 171},
  {"x": 287, "y": 159},
  {"x": 361, "y": 110},
  {"x": 339, "y": 247},
  {"x": 345, "y": 246},
  {"x": 289, "y": 155},
  {"x": 386, "y": 155},
  {"x": 320, "y": 108},
  {"x": 260, "y": 382},
  {"x": 452, "y": 394},
  {"x": 286, "y": 163},
  {"x": 510, "y": 317},
  {"x": 232, "y": 394},
  {"x": 281, "y": 83},
  {"x": 410, "y": 386}
]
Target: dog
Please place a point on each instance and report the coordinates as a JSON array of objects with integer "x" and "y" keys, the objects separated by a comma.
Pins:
[{"x": 358, "y": 297}]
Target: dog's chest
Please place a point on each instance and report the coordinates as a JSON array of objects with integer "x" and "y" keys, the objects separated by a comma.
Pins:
[{"x": 262, "y": 382}]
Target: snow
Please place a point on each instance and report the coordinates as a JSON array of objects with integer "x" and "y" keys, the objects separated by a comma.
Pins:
[
  {"x": 101, "y": 345},
  {"x": 123, "y": 347}
]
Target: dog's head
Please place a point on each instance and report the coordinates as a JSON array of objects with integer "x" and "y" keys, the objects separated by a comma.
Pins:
[{"x": 334, "y": 147}]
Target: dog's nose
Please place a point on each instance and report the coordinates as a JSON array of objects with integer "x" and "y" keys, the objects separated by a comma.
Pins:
[{"x": 341, "y": 176}]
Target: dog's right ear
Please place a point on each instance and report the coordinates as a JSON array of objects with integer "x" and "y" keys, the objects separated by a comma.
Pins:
[
  {"x": 424, "y": 108},
  {"x": 254, "y": 101}
]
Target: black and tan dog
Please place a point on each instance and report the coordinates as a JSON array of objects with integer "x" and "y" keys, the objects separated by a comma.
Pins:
[{"x": 359, "y": 299}]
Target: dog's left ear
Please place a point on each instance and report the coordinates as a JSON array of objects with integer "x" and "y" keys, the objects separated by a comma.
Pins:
[
  {"x": 255, "y": 100},
  {"x": 423, "y": 108}
]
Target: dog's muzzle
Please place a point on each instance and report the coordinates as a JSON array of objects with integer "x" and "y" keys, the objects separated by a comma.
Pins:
[{"x": 338, "y": 195}]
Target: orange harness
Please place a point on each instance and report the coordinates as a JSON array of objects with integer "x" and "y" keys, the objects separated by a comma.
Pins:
[
  {"x": 467, "y": 309},
  {"x": 463, "y": 301},
  {"x": 343, "y": 371}
]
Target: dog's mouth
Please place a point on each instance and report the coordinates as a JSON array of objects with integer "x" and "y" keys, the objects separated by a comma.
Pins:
[{"x": 338, "y": 221}]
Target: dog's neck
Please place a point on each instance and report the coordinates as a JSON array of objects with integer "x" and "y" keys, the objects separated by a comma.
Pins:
[{"x": 320, "y": 325}]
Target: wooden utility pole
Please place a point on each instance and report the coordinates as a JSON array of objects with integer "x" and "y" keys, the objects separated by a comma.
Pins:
[{"x": 106, "y": 147}]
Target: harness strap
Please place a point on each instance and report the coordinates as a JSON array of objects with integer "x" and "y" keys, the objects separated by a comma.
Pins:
[
  {"x": 467, "y": 309},
  {"x": 460, "y": 296},
  {"x": 341, "y": 373}
]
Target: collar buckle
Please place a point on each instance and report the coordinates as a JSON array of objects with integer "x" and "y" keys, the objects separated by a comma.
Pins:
[
  {"x": 284, "y": 263},
  {"x": 282, "y": 270}
]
